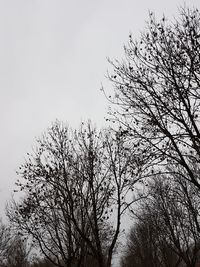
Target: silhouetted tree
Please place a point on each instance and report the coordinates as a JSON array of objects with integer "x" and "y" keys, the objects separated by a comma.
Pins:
[
  {"x": 157, "y": 88},
  {"x": 178, "y": 211},
  {"x": 146, "y": 245},
  {"x": 166, "y": 232},
  {"x": 14, "y": 251},
  {"x": 77, "y": 185},
  {"x": 17, "y": 253},
  {"x": 5, "y": 237}
]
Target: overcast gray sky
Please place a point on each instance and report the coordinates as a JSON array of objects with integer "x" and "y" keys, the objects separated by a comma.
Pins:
[{"x": 52, "y": 62}]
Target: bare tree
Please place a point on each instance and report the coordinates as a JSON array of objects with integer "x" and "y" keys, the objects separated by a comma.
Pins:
[
  {"x": 178, "y": 210},
  {"x": 77, "y": 185},
  {"x": 166, "y": 232},
  {"x": 17, "y": 253},
  {"x": 14, "y": 251},
  {"x": 146, "y": 245},
  {"x": 157, "y": 88},
  {"x": 5, "y": 237}
]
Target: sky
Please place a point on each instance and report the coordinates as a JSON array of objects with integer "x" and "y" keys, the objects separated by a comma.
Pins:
[{"x": 53, "y": 61}]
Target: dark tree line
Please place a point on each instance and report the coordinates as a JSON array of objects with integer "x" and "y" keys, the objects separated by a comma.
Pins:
[
  {"x": 166, "y": 231},
  {"x": 14, "y": 251},
  {"x": 79, "y": 184}
]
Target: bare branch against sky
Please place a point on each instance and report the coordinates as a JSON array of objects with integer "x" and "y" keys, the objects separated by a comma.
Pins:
[{"x": 52, "y": 62}]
